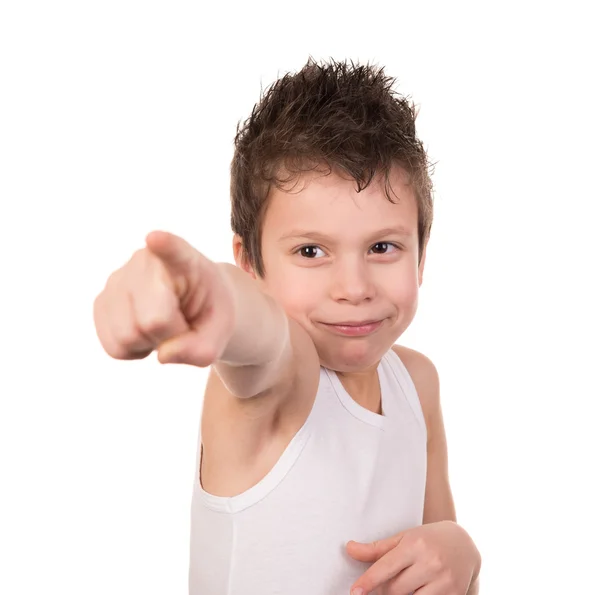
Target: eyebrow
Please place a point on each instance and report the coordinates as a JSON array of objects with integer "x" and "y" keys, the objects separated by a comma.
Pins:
[{"x": 321, "y": 237}]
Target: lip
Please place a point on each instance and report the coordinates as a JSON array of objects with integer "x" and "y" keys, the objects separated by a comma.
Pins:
[{"x": 353, "y": 328}]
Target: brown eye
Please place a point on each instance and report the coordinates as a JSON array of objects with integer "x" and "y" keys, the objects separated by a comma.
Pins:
[
  {"x": 309, "y": 251},
  {"x": 380, "y": 247}
]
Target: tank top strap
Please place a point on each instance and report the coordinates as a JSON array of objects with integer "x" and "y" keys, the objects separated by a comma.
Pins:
[{"x": 396, "y": 381}]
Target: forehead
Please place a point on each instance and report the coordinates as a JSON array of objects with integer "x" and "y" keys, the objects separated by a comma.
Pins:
[{"x": 331, "y": 204}]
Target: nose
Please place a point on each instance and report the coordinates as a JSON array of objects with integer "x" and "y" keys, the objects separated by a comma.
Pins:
[{"x": 351, "y": 282}]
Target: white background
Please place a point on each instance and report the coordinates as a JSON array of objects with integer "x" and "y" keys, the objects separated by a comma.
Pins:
[{"x": 117, "y": 118}]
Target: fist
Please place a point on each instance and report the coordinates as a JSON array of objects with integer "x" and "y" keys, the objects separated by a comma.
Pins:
[{"x": 168, "y": 298}]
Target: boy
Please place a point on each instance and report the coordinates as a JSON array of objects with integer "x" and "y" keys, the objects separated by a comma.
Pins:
[{"x": 322, "y": 464}]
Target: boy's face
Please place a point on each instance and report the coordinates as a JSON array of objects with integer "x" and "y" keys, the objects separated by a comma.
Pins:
[{"x": 344, "y": 265}]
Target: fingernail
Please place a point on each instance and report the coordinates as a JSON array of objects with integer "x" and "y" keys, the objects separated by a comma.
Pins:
[{"x": 357, "y": 591}]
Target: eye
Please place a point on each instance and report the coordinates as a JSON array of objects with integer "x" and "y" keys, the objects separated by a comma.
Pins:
[
  {"x": 309, "y": 251},
  {"x": 383, "y": 247}
]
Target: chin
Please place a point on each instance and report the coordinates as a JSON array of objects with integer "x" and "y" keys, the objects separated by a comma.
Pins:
[{"x": 352, "y": 356}]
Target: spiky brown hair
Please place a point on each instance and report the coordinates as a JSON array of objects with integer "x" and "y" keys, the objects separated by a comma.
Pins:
[{"x": 337, "y": 115}]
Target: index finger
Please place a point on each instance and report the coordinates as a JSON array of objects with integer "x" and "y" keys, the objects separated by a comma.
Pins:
[
  {"x": 386, "y": 568},
  {"x": 176, "y": 254}
]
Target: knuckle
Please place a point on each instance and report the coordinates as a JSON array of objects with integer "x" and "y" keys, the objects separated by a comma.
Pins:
[
  {"x": 155, "y": 310},
  {"x": 114, "y": 345},
  {"x": 155, "y": 322},
  {"x": 139, "y": 254},
  {"x": 127, "y": 337},
  {"x": 436, "y": 563},
  {"x": 420, "y": 543},
  {"x": 111, "y": 283},
  {"x": 136, "y": 264},
  {"x": 449, "y": 582}
]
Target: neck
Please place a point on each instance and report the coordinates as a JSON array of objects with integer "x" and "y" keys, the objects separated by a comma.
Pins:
[{"x": 363, "y": 387}]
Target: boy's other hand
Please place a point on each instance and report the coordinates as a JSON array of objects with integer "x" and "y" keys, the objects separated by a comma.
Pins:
[
  {"x": 434, "y": 559},
  {"x": 170, "y": 298}
]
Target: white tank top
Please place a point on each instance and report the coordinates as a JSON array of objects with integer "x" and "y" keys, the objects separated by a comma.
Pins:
[{"x": 347, "y": 474}]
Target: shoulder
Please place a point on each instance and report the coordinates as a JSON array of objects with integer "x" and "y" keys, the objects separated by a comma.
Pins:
[
  {"x": 415, "y": 362},
  {"x": 425, "y": 377},
  {"x": 439, "y": 502}
]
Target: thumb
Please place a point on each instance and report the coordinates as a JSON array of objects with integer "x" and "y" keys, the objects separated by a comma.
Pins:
[
  {"x": 198, "y": 347},
  {"x": 370, "y": 552}
]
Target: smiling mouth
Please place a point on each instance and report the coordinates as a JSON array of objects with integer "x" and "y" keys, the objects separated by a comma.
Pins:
[{"x": 354, "y": 328}]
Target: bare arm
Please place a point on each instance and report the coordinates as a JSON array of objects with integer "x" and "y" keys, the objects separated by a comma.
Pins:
[
  {"x": 261, "y": 326},
  {"x": 170, "y": 298},
  {"x": 260, "y": 347},
  {"x": 439, "y": 501}
]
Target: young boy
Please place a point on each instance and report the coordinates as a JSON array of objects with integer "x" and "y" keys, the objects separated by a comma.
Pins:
[{"x": 317, "y": 431}]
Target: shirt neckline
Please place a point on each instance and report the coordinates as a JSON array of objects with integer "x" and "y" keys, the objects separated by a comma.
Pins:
[{"x": 355, "y": 408}]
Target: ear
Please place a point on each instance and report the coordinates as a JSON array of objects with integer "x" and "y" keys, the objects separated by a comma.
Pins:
[
  {"x": 240, "y": 256},
  {"x": 422, "y": 263}
]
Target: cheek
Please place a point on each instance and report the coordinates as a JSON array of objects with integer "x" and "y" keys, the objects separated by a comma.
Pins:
[
  {"x": 403, "y": 288},
  {"x": 292, "y": 289}
]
